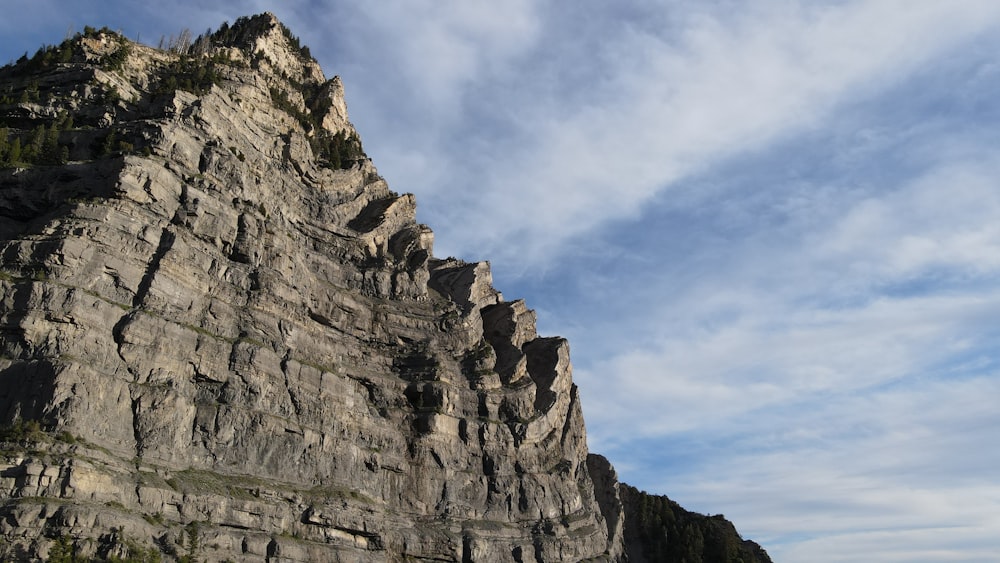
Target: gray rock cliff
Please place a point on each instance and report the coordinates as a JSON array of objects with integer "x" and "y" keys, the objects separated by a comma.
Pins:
[
  {"x": 214, "y": 319},
  {"x": 222, "y": 336}
]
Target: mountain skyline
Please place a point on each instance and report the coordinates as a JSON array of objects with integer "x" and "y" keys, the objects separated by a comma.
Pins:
[{"x": 769, "y": 234}]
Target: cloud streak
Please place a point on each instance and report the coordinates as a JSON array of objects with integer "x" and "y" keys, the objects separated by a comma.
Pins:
[
  {"x": 825, "y": 378},
  {"x": 667, "y": 106},
  {"x": 822, "y": 490}
]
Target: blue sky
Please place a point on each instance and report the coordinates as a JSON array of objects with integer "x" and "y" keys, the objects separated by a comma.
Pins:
[{"x": 770, "y": 230}]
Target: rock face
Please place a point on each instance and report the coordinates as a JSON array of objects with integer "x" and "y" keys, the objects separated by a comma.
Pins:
[{"x": 222, "y": 336}]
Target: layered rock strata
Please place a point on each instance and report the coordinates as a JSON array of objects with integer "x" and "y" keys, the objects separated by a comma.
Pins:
[{"x": 222, "y": 335}]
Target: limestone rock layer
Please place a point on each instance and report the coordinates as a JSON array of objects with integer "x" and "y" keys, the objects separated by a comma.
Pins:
[{"x": 222, "y": 335}]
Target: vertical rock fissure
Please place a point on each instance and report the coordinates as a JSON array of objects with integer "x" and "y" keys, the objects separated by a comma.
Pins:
[
  {"x": 167, "y": 238},
  {"x": 136, "y": 430},
  {"x": 117, "y": 334},
  {"x": 166, "y": 242},
  {"x": 296, "y": 405},
  {"x": 568, "y": 423}
]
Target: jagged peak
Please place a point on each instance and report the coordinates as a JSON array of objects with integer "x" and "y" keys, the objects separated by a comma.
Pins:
[
  {"x": 271, "y": 44},
  {"x": 263, "y": 39},
  {"x": 125, "y": 80}
]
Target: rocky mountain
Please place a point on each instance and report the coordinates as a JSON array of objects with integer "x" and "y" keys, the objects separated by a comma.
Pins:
[{"x": 222, "y": 336}]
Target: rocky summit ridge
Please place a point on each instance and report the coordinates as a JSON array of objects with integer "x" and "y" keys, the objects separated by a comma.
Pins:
[{"x": 223, "y": 337}]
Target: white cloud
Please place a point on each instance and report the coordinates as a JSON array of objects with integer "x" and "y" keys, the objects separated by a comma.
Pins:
[
  {"x": 730, "y": 81},
  {"x": 964, "y": 544},
  {"x": 423, "y": 56},
  {"x": 946, "y": 221},
  {"x": 844, "y": 469},
  {"x": 882, "y": 287},
  {"x": 705, "y": 379},
  {"x": 794, "y": 386}
]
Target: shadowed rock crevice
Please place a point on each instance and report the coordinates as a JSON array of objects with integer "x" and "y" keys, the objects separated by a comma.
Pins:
[
  {"x": 508, "y": 327},
  {"x": 547, "y": 360},
  {"x": 167, "y": 238}
]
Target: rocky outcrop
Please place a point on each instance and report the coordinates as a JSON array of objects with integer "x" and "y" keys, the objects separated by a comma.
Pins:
[
  {"x": 658, "y": 529},
  {"x": 222, "y": 336}
]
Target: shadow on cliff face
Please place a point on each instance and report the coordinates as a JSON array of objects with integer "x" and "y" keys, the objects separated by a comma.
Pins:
[
  {"x": 47, "y": 192},
  {"x": 26, "y": 387}
]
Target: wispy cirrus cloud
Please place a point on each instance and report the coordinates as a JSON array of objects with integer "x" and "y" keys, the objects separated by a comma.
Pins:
[
  {"x": 839, "y": 369},
  {"x": 667, "y": 106},
  {"x": 882, "y": 476}
]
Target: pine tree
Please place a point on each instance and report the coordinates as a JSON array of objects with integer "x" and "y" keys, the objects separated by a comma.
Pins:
[
  {"x": 4, "y": 145},
  {"x": 50, "y": 148},
  {"x": 62, "y": 551},
  {"x": 35, "y": 150},
  {"x": 14, "y": 152}
]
